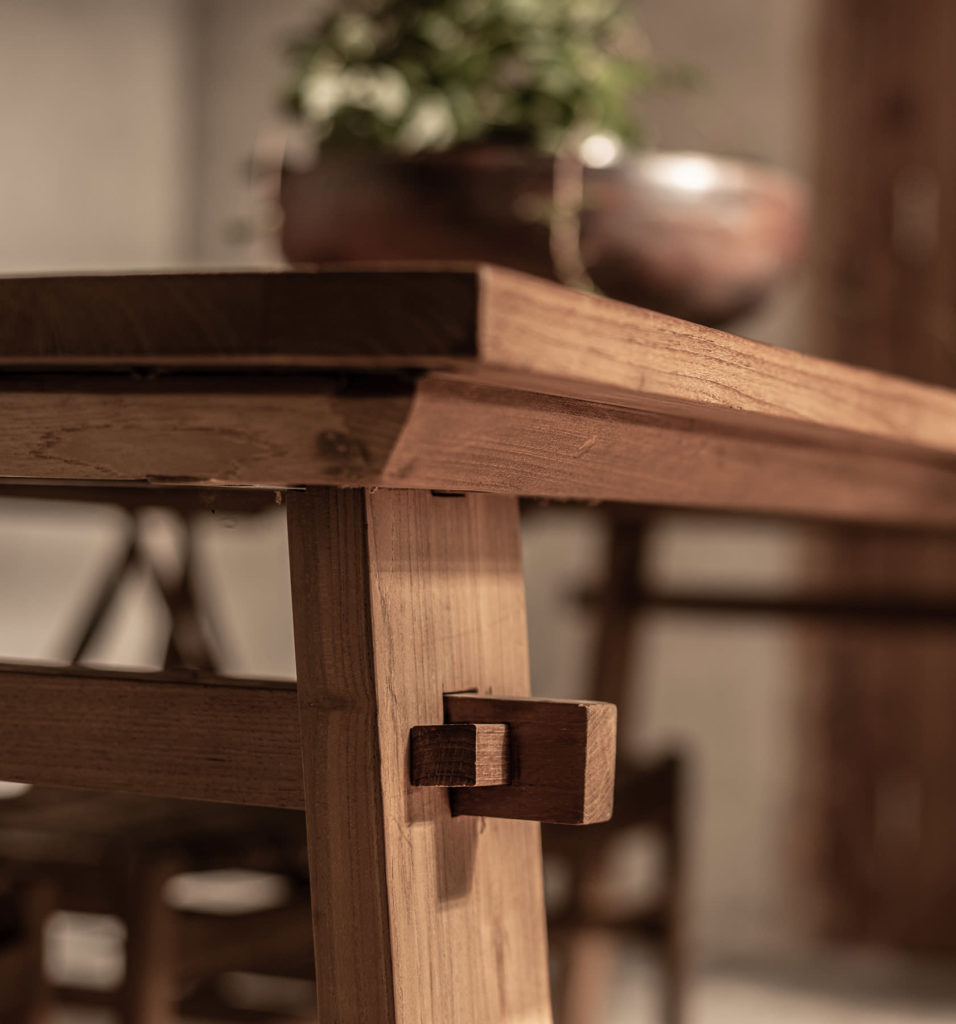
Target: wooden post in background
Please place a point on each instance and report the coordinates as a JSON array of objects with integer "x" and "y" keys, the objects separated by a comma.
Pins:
[{"x": 886, "y": 298}]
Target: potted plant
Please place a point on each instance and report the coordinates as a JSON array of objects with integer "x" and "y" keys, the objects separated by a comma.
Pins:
[{"x": 504, "y": 131}]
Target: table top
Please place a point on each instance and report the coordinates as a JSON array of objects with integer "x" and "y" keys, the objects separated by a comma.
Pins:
[{"x": 452, "y": 378}]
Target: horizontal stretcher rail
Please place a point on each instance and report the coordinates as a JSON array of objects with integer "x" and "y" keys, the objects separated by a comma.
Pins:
[
  {"x": 176, "y": 735},
  {"x": 201, "y": 737}
]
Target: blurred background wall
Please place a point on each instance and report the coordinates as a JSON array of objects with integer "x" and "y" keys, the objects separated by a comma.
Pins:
[{"x": 126, "y": 132}]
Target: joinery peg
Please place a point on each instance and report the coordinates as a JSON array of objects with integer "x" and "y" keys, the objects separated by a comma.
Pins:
[{"x": 512, "y": 757}]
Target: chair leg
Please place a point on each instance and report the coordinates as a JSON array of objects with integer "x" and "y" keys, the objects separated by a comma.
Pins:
[
  {"x": 148, "y": 993},
  {"x": 587, "y": 955},
  {"x": 674, "y": 950},
  {"x": 32, "y": 1003},
  {"x": 419, "y": 917},
  {"x": 587, "y": 977},
  {"x": 590, "y": 953}
]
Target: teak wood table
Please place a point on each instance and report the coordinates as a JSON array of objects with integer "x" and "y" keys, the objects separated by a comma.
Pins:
[{"x": 399, "y": 414}]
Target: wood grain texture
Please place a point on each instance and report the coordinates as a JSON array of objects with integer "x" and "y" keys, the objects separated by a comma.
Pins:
[
  {"x": 185, "y": 430},
  {"x": 460, "y": 755},
  {"x": 552, "y": 394},
  {"x": 393, "y": 593},
  {"x": 465, "y": 435},
  {"x": 455, "y": 433},
  {"x": 562, "y": 759},
  {"x": 213, "y": 740},
  {"x": 649, "y": 360},
  {"x": 544, "y": 337}
]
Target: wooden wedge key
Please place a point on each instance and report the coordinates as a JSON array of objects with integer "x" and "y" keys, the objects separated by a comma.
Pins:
[{"x": 538, "y": 760}]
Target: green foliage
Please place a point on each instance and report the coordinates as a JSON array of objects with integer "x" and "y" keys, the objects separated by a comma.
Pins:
[{"x": 424, "y": 75}]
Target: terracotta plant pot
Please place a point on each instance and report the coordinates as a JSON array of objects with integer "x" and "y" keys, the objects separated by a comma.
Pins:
[{"x": 693, "y": 235}]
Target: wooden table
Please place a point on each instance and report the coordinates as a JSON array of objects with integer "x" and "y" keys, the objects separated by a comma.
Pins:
[{"x": 399, "y": 415}]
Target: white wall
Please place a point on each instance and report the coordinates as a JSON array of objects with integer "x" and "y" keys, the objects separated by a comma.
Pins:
[
  {"x": 243, "y": 75},
  {"x": 95, "y": 134},
  {"x": 95, "y": 147},
  {"x": 124, "y": 128}
]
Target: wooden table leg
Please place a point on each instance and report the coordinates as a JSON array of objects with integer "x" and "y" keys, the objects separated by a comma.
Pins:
[{"x": 419, "y": 917}]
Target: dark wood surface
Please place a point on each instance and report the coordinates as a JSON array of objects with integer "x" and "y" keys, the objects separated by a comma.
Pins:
[
  {"x": 563, "y": 768},
  {"x": 537, "y": 760},
  {"x": 881, "y": 753},
  {"x": 211, "y": 319},
  {"x": 156, "y": 734},
  {"x": 461, "y": 755}
]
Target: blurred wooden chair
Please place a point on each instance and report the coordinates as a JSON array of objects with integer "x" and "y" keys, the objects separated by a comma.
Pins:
[
  {"x": 113, "y": 854},
  {"x": 107, "y": 853},
  {"x": 586, "y": 924}
]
